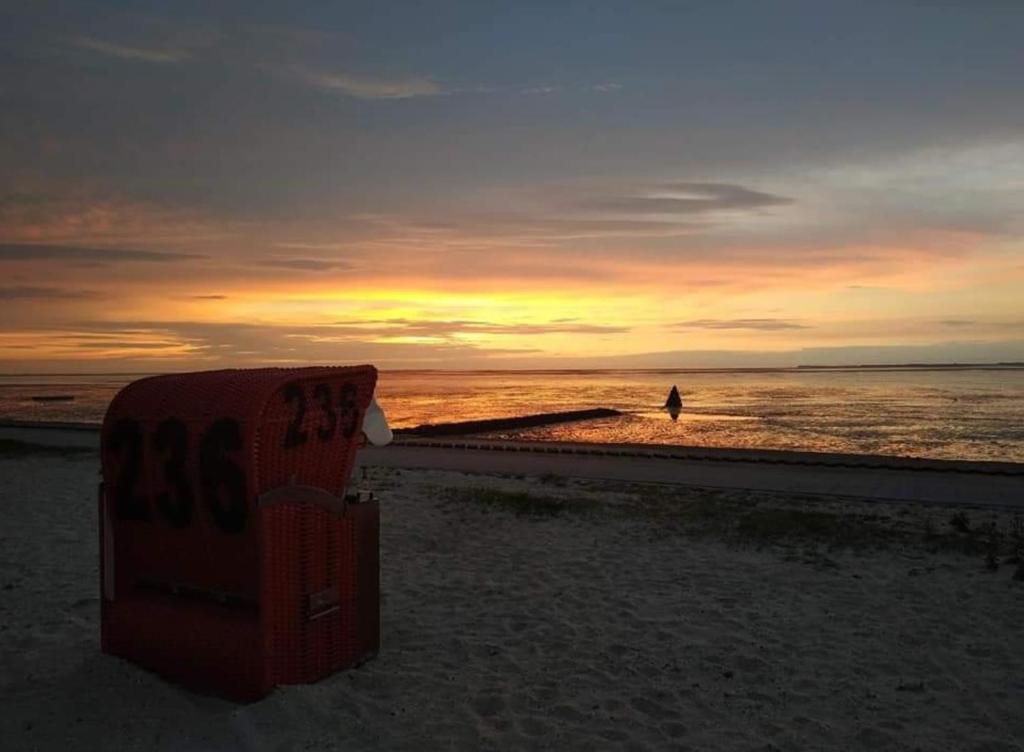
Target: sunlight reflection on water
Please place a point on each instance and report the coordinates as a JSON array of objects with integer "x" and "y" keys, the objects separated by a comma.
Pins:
[{"x": 947, "y": 414}]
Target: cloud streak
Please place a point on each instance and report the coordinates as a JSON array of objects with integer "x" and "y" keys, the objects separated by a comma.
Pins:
[
  {"x": 306, "y": 264},
  {"x": 763, "y": 324},
  {"x": 367, "y": 87},
  {"x": 561, "y": 214},
  {"x": 125, "y": 52},
  {"x": 205, "y": 343},
  {"x": 36, "y": 252},
  {"x": 43, "y": 293},
  {"x": 88, "y": 214},
  {"x": 361, "y": 86},
  {"x": 686, "y": 198},
  {"x": 446, "y": 328},
  {"x": 397, "y": 338}
]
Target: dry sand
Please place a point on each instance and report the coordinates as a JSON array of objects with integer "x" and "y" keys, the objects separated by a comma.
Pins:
[{"x": 529, "y": 613}]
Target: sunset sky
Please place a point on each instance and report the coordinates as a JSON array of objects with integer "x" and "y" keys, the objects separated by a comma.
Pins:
[{"x": 477, "y": 185}]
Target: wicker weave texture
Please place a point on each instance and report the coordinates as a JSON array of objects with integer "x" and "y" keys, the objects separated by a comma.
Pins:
[{"x": 210, "y": 588}]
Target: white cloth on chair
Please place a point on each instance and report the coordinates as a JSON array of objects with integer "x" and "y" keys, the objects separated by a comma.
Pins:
[{"x": 375, "y": 425}]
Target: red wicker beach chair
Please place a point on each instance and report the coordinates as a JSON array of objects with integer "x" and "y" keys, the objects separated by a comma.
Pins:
[{"x": 231, "y": 557}]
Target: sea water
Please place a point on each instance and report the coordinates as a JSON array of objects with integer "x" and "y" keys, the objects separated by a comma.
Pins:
[{"x": 944, "y": 413}]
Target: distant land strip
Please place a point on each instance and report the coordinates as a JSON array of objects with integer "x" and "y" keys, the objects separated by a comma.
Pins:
[
  {"x": 1002, "y": 366},
  {"x": 462, "y": 428}
]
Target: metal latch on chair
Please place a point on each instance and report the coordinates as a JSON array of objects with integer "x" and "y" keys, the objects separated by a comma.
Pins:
[
  {"x": 322, "y": 603},
  {"x": 360, "y": 497}
]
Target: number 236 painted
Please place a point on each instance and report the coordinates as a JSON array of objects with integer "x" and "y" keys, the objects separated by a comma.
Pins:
[{"x": 222, "y": 481}]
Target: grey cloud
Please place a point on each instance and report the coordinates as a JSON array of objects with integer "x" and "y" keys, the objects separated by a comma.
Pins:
[
  {"x": 765, "y": 324},
  {"x": 306, "y": 264},
  {"x": 1012, "y": 324},
  {"x": 238, "y": 342},
  {"x": 47, "y": 293},
  {"x": 257, "y": 337},
  {"x": 685, "y": 198},
  {"x": 243, "y": 344},
  {"x": 560, "y": 213},
  {"x": 23, "y": 198},
  {"x": 126, "y": 52},
  {"x": 122, "y": 345},
  {"x": 426, "y": 328},
  {"x": 208, "y": 297},
  {"x": 563, "y": 228},
  {"x": 582, "y": 228},
  {"x": 99, "y": 335},
  {"x": 33, "y": 252},
  {"x": 362, "y": 86},
  {"x": 367, "y": 87}
]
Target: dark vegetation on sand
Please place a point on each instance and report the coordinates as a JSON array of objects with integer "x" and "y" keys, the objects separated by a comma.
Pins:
[{"x": 764, "y": 518}]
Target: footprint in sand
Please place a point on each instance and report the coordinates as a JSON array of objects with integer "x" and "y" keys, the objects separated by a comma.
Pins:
[
  {"x": 674, "y": 730},
  {"x": 651, "y": 708},
  {"x": 487, "y": 706},
  {"x": 533, "y": 727}
]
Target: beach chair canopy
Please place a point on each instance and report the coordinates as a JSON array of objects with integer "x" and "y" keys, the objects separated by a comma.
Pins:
[
  {"x": 187, "y": 456},
  {"x": 222, "y": 566}
]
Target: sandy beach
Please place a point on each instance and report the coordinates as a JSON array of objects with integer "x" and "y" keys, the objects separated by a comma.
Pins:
[{"x": 537, "y": 612}]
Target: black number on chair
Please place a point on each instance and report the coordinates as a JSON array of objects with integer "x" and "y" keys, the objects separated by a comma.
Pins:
[
  {"x": 218, "y": 473},
  {"x": 329, "y": 425},
  {"x": 349, "y": 410},
  {"x": 126, "y": 438},
  {"x": 296, "y": 434},
  {"x": 171, "y": 438}
]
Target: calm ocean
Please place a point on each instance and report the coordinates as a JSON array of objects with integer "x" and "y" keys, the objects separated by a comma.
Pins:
[{"x": 953, "y": 414}]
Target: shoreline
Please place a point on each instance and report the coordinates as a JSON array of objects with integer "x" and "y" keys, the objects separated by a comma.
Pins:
[
  {"x": 874, "y": 478},
  {"x": 52, "y": 433}
]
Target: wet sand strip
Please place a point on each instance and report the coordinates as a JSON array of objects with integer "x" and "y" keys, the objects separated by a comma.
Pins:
[
  {"x": 724, "y": 454},
  {"x": 900, "y": 479},
  {"x": 888, "y": 479}
]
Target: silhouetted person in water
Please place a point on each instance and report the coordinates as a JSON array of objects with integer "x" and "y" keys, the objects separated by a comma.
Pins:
[{"x": 674, "y": 403}]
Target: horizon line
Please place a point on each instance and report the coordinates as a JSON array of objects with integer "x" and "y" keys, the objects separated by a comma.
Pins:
[{"x": 997, "y": 365}]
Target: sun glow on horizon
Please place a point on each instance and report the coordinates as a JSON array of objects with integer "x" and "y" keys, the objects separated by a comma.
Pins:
[{"x": 668, "y": 195}]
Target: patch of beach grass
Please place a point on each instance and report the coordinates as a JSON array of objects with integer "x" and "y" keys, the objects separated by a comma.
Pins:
[
  {"x": 800, "y": 524},
  {"x": 521, "y": 503},
  {"x": 725, "y": 516}
]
